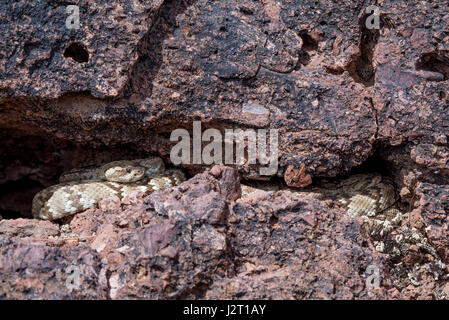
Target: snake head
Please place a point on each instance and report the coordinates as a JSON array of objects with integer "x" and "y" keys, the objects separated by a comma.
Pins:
[{"x": 125, "y": 174}]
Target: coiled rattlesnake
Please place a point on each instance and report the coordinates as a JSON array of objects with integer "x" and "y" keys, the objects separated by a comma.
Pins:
[
  {"x": 370, "y": 196},
  {"x": 80, "y": 189},
  {"x": 365, "y": 195}
]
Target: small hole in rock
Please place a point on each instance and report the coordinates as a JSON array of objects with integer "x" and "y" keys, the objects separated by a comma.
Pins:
[
  {"x": 362, "y": 69},
  {"x": 274, "y": 221},
  {"x": 434, "y": 62},
  {"x": 309, "y": 43},
  {"x": 375, "y": 163},
  {"x": 77, "y": 51},
  {"x": 246, "y": 11},
  {"x": 16, "y": 197}
]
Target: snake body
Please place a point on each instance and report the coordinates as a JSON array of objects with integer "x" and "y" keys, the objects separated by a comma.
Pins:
[
  {"x": 370, "y": 196},
  {"x": 81, "y": 189},
  {"x": 365, "y": 195}
]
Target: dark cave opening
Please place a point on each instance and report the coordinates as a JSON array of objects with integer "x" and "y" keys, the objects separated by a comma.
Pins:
[
  {"x": 30, "y": 163},
  {"x": 434, "y": 62},
  {"x": 374, "y": 164},
  {"x": 16, "y": 198},
  {"x": 77, "y": 51}
]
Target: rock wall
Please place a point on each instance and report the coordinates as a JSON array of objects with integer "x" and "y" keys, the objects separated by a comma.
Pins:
[{"x": 344, "y": 98}]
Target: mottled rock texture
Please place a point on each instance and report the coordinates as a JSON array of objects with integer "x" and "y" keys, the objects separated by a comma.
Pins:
[
  {"x": 337, "y": 91},
  {"x": 42, "y": 57},
  {"x": 198, "y": 240},
  {"x": 433, "y": 208},
  {"x": 344, "y": 99},
  {"x": 206, "y": 239},
  {"x": 38, "y": 271},
  {"x": 289, "y": 246}
]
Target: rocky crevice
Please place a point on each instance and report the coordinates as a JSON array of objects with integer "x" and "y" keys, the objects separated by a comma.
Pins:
[
  {"x": 362, "y": 69},
  {"x": 434, "y": 62}
]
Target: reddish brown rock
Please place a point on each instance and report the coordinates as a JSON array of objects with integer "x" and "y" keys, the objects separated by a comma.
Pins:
[
  {"x": 23, "y": 228},
  {"x": 289, "y": 246},
  {"x": 35, "y": 271},
  {"x": 186, "y": 243},
  {"x": 233, "y": 64},
  {"x": 433, "y": 207},
  {"x": 297, "y": 178},
  {"x": 96, "y": 57},
  {"x": 342, "y": 97}
]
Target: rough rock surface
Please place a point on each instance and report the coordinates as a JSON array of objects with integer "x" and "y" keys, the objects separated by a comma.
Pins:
[
  {"x": 433, "y": 209},
  {"x": 95, "y": 57},
  {"x": 344, "y": 98},
  {"x": 211, "y": 59},
  {"x": 39, "y": 271},
  {"x": 310, "y": 69},
  {"x": 198, "y": 240},
  {"x": 281, "y": 241}
]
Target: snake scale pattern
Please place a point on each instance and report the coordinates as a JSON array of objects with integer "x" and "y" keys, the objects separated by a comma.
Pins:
[
  {"x": 81, "y": 189},
  {"x": 370, "y": 196},
  {"x": 362, "y": 194},
  {"x": 365, "y": 195}
]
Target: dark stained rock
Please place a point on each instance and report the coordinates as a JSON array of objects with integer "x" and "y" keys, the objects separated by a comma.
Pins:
[
  {"x": 170, "y": 244},
  {"x": 319, "y": 121},
  {"x": 410, "y": 91},
  {"x": 211, "y": 59},
  {"x": 336, "y": 91},
  {"x": 46, "y": 59},
  {"x": 184, "y": 247}
]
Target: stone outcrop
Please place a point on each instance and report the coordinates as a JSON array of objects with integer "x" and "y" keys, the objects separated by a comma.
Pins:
[
  {"x": 337, "y": 91},
  {"x": 197, "y": 240},
  {"x": 344, "y": 99}
]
